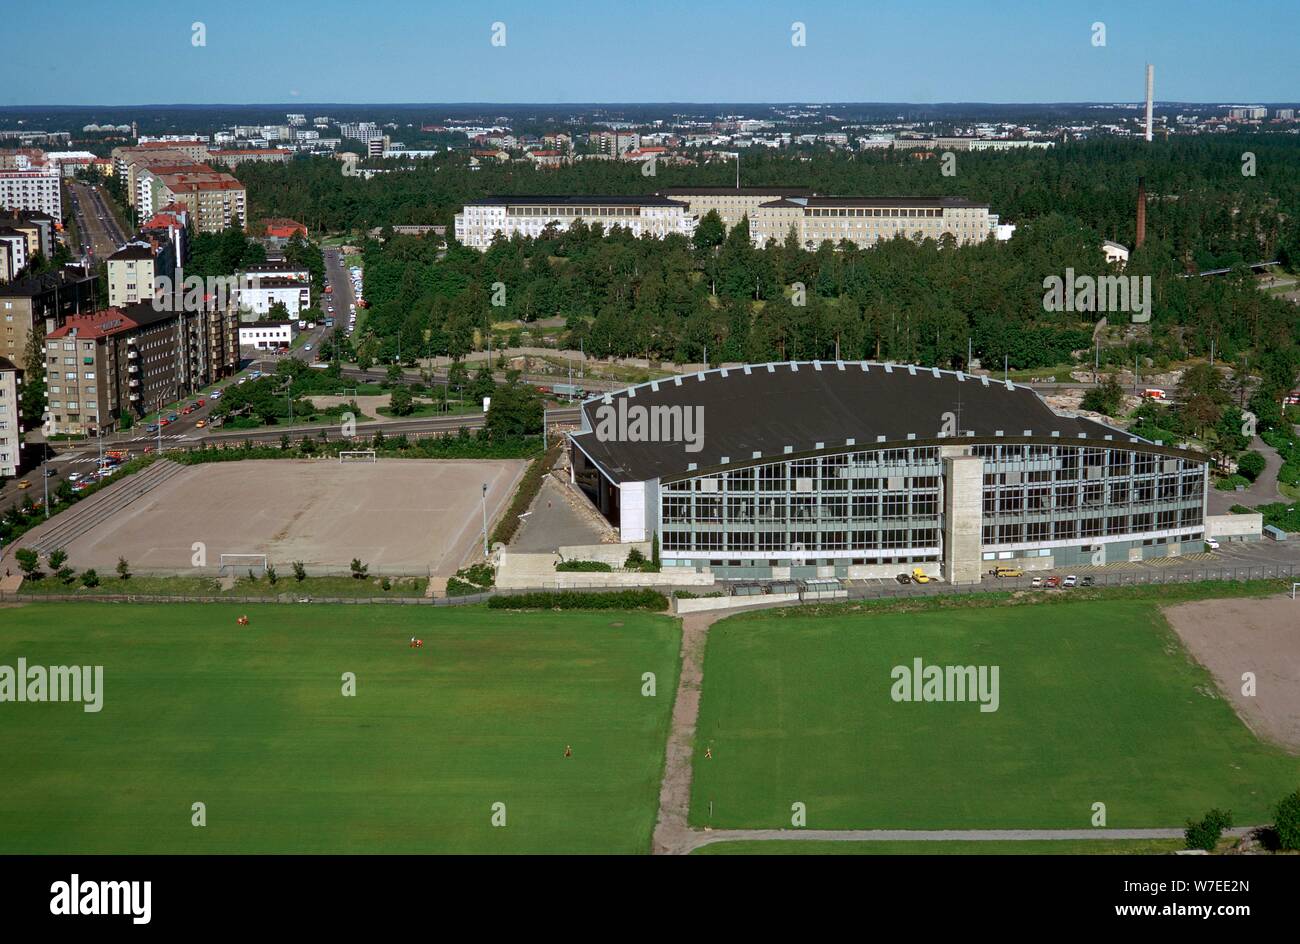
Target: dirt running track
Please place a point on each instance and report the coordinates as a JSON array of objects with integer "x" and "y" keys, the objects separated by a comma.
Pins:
[{"x": 1231, "y": 637}]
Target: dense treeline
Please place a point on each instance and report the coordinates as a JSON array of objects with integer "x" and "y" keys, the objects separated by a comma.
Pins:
[{"x": 902, "y": 300}]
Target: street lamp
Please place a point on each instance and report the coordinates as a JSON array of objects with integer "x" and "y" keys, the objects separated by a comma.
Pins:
[
  {"x": 45, "y": 478},
  {"x": 485, "y": 535}
]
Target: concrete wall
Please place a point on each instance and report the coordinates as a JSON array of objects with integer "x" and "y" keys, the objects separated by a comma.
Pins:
[
  {"x": 731, "y": 603},
  {"x": 963, "y": 498},
  {"x": 613, "y": 554},
  {"x": 1234, "y": 527}
]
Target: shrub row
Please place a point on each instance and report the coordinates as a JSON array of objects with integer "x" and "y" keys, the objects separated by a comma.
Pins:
[
  {"x": 575, "y": 600},
  {"x": 583, "y": 566},
  {"x": 506, "y": 529}
]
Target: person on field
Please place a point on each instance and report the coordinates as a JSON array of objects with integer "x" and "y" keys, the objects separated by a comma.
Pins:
[{"x": 568, "y": 750}]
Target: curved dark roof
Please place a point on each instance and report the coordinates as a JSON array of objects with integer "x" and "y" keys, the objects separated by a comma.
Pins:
[{"x": 811, "y": 406}]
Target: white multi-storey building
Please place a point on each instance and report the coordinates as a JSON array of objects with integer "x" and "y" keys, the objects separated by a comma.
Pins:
[
  {"x": 35, "y": 189},
  {"x": 10, "y": 386},
  {"x": 481, "y": 220}
]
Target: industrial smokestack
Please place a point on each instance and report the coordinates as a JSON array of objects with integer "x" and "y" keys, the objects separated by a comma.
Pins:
[
  {"x": 1141, "y": 213},
  {"x": 1151, "y": 88}
]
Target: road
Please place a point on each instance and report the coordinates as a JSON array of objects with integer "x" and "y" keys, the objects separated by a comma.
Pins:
[{"x": 101, "y": 236}]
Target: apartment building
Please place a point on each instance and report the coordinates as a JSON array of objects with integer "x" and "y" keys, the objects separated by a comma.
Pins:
[
  {"x": 13, "y": 253},
  {"x": 34, "y": 189},
  {"x": 119, "y": 361},
  {"x": 213, "y": 205},
  {"x": 614, "y": 143},
  {"x": 11, "y": 382},
  {"x": 134, "y": 269},
  {"x": 44, "y": 300},
  {"x": 271, "y": 282},
  {"x": 865, "y": 221},
  {"x": 39, "y": 228},
  {"x": 234, "y": 156},
  {"x": 651, "y": 215}
]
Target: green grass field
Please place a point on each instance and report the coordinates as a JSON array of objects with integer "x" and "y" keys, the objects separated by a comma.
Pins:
[
  {"x": 251, "y": 721},
  {"x": 956, "y": 847},
  {"x": 1098, "y": 703}
]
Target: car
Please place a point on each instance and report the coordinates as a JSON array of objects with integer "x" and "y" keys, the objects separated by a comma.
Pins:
[
  {"x": 50, "y": 473},
  {"x": 903, "y": 578},
  {"x": 1052, "y": 583},
  {"x": 187, "y": 411},
  {"x": 1036, "y": 582},
  {"x": 24, "y": 484},
  {"x": 918, "y": 576},
  {"x": 200, "y": 424},
  {"x": 1001, "y": 572},
  {"x": 200, "y": 403},
  {"x": 172, "y": 417},
  {"x": 215, "y": 395},
  {"x": 74, "y": 476},
  {"x": 164, "y": 422},
  {"x": 81, "y": 485},
  {"x": 151, "y": 428},
  {"x": 305, "y": 347},
  {"x": 1087, "y": 581},
  {"x": 1212, "y": 545},
  {"x": 1070, "y": 581},
  {"x": 242, "y": 381}
]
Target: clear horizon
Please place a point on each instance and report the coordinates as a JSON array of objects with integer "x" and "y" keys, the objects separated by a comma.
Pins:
[{"x": 395, "y": 52}]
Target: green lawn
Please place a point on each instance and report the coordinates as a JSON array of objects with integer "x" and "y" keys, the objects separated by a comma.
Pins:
[
  {"x": 1099, "y": 703},
  {"x": 251, "y": 721},
  {"x": 955, "y": 847}
]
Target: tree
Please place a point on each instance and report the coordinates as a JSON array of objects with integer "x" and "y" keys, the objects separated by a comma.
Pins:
[
  {"x": 1287, "y": 821},
  {"x": 90, "y": 578},
  {"x": 58, "y": 558},
  {"x": 1206, "y": 834},
  {"x": 1251, "y": 465},
  {"x": 358, "y": 569},
  {"x": 1106, "y": 398},
  {"x": 400, "y": 402},
  {"x": 123, "y": 569},
  {"x": 29, "y": 562},
  {"x": 710, "y": 232},
  {"x": 271, "y": 575},
  {"x": 299, "y": 571},
  {"x": 516, "y": 410}
]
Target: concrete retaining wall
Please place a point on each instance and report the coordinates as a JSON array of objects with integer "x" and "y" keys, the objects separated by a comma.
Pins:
[
  {"x": 1234, "y": 527},
  {"x": 613, "y": 554},
  {"x": 702, "y": 604}
]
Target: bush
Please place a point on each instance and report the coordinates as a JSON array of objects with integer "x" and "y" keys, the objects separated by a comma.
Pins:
[
  {"x": 1229, "y": 483},
  {"x": 358, "y": 569},
  {"x": 385, "y": 584},
  {"x": 583, "y": 566},
  {"x": 123, "y": 569},
  {"x": 1251, "y": 465},
  {"x": 460, "y": 588},
  {"x": 1287, "y": 821},
  {"x": 478, "y": 574},
  {"x": 299, "y": 571},
  {"x": 1206, "y": 834},
  {"x": 575, "y": 600},
  {"x": 271, "y": 575},
  {"x": 90, "y": 578}
]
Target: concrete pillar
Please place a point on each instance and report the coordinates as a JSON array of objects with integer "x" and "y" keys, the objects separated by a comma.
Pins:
[{"x": 963, "y": 516}]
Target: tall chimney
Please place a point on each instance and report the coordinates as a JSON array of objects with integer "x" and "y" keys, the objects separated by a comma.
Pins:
[
  {"x": 1151, "y": 88},
  {"x": 1141, "y": 213}
]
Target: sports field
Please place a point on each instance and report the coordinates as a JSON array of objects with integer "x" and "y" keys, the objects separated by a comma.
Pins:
[
  {"x": 252, "y": 722},
  {"x": 1098, "y": 703}
]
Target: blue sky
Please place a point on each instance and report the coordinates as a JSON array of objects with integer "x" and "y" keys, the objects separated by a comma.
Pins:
[{"x": 268, "y": 51}]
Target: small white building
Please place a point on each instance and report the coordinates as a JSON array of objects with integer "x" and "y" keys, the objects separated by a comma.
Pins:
[
  {"x": 258, "y": 293},
  {"x": 1115, "y": 253},
  {"x": 266, "y": 335}
]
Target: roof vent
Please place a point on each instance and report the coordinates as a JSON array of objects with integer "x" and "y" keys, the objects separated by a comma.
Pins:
[
  {"x": 880, "y": 439},
  {"x": 756, "y": 455},
  {"x": 850, "y": 442},
  {"x": 746, "y": 370},
  {"x": 1108, "y": 437},
  {"x": 771, "y": 368},
  {"x": 1028, "y": 432},
  {"x": 608, "y": 398},
  {"x": 935, "y": 372},
  {"x": 723, "y": 372},
  {"x": 911, "y": 370},
  {"x": 654, "y": 385},
  {"x": 1160, "y": 442},
  {"x": 889, "y": 368},
  {"x": 794, "y": 367},
  {"x": 700, "y": 376},
  {"x": 866, "y": 368},
  {"x": 911, "y": 435},
  {"x": 788, "y": 449},
  {"x": 961, "y": 377},
  {"x": 1010, "y": 385},
  {"x": 984, "y": 379},
  {"x": 725, "y": 460},
  {"x": 839, "y": 365},
  {"x": 1056, "y": 434},
  {"x": 690, "y": 467},
  {"x": 820, "y": 446},
  {"x": 631, "y": 392},
  {"x": 677, "y": 381},
  {"x": 970, "y": 433},
  {"x": 997, "y": 432},
  {"x": 1083, "y": 435},
  {"x": 817, "y": 365}
]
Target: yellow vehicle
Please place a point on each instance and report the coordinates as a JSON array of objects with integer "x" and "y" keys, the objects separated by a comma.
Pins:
[
  {"x": 200, "y": 424},
  {"x": 1008, "y": 572},
  {"x": 918, "y": 575},
  {"x": 24, "y": 484}
]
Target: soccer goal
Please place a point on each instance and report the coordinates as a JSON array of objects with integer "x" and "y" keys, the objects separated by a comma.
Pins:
[
  {"x": 240, "y": 564},
  {"x": 357, "y": 455}
]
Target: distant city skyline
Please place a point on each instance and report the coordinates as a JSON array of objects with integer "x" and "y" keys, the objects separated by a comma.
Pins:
[{"x": 386, "y": 51}]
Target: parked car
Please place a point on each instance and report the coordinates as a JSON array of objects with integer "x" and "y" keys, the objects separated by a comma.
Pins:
[
  {"x": 1212, "y": 545},
  {"x": 903, "y": 578},
  {"x": 200, "y": 424},
  {"x": 24, "y": 484},
  {"x": 1052, "y": 583},
  {"x": 1087, "y": 581},
  {"x": 1070, "y": 581},
  {"x": 1007, "y": 572},
  {"x": 172, "y": 417},
  {"x": 1036, "y": 582},
  {"x": 188, "y": 410},
  {"x": 74, "y": 476},
  {"x": 200, "y": 402},
  {"x": 151, "y": 428},
  {"x": 164, "y": 422},
  {"x": 918, "y": 575}
]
